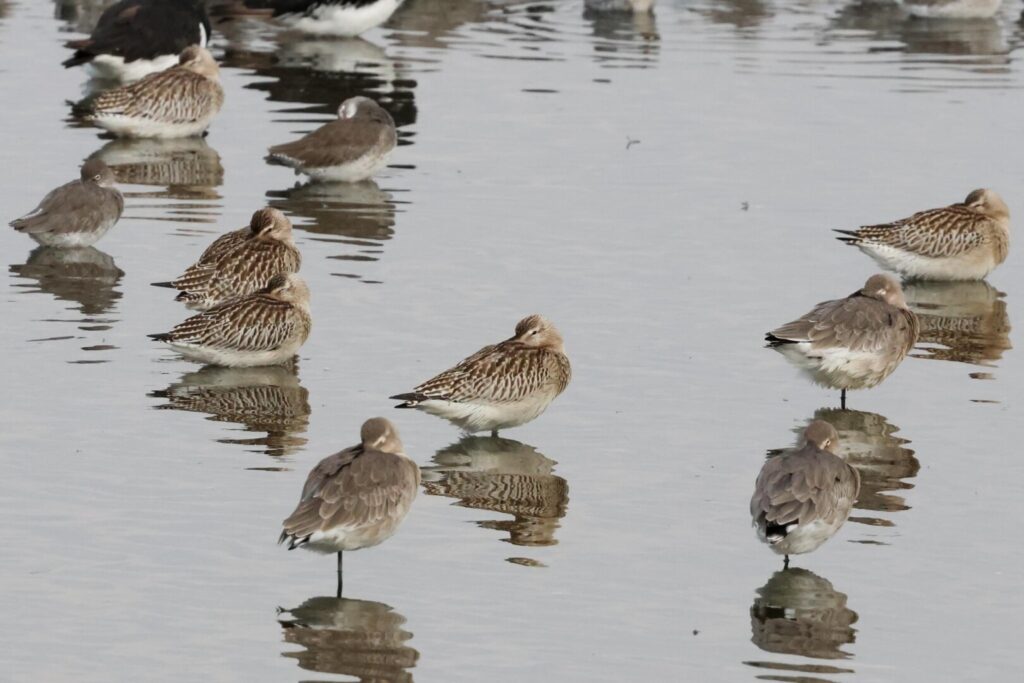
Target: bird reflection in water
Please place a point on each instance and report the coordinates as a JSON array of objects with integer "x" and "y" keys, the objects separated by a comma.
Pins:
[
  {"x": 358, "y": 216},
  {"x": 964, "y": 322},
  {"x": 261, "y": 399},
  {"x": 358, "y": 638},
  {"x": 187, "y": 167},
  {"x": 799, "y": 613},
  {"x": 623, "y": 37},
  {"x": 743, "y": 15},
  {"x": 502, "y": 475},
  {"x": 868, "y": 442},
  {"x": 429, "y": 23}
]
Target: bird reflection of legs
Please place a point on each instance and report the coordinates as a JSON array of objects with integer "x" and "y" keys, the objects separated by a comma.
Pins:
[{"x": 339, "y": 574}]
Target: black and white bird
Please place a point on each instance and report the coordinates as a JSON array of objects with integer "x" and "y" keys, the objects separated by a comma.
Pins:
[
  {"x": 134, "y": 38},
  {"x": 342, "y": 18}
]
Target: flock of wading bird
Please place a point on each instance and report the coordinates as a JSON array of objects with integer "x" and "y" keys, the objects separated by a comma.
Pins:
[{"x": 254, "y": 308}]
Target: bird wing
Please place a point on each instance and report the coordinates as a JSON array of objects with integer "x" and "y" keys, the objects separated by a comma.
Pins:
[
  {"x": 239, "y": 268},
  {"x": 72, "y": 207},
  {"x": 799, "y": 486},
  {"x": 135, "y": 29},
  {"x": 494, "y": 374},
  {"x": 338, "y": 142},
  {"x": 176, "y": 95},
  {"x": 857, "y": 323},
  {"x": 354, "y": 488},
  {"x": 936, "y": 233},
  {"x": 252, "y": 323}
]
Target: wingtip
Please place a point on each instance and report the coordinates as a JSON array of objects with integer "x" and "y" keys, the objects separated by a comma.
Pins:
[{"x": 160, "y": 336}]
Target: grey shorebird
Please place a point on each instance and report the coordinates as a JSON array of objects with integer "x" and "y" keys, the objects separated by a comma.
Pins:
[
  {"x": 802, "y": 496},
  {"x": 356, "y": 498},
  {"x": 263, "y": 328},
  {"x": 239, "y": 262},
  {"x": 963, "y": 241},
  {"x": 500, "y": 386},
  {"x": 851, "y": 343},
  {"x": 349, "y": 149},
  {"x": 134, "y": 38},
  {"x": 78, "y": 213},
  {"x": 179, "y": 102}
]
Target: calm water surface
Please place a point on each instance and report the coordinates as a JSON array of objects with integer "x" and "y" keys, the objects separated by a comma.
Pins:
[{"x": 662, "y": 188}]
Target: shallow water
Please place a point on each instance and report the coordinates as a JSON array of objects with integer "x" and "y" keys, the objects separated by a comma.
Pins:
[{"x": 662, "y": 188}]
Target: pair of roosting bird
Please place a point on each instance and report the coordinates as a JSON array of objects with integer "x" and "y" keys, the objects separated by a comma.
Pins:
[{"x": 804, "y": 495}]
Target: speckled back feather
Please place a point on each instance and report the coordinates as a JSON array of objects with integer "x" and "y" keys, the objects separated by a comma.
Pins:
[
  {"x": 176, "y": 95},
  {"x": 257, "y": 322}
]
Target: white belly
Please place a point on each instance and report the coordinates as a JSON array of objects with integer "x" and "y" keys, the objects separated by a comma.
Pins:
[
  {"x": 133, "y": 127},
  {"x": 236, "y": 359},
  {"x": 343, "y": 21},
  {"x": 955, "y": 9},
  {"x": 111, "y": 67},
  {"x": 974, "y": 265},
  {"x": 71, "y": 240},
  {"x": 839, "y": 368},
  {"x": 481, "y": 417},
  {"x": 347, "y": 538},
  {"x": 360, "y": 169},
  {"x": 805, "y": 538}
]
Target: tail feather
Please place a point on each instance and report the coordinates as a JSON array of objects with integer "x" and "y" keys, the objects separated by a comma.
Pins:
[
  {"x": 774, "y": 341},
  {"x": 160, "y": 336},
  {"x": 80, "y": 57},
  {"x": 410, "y": 400},
  {"x": 849, "y": 237},
  {"x": 169, "y": 285}
]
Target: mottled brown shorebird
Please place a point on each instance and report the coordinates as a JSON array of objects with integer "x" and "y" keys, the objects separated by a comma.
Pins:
[
  {"x": 78, "y": 213},
  {"x": 349, "y": 149},
  {"x": 356, "y": 498},
  {"x": 851, "y": 343},
  {"x": 500, "y": 386},
  {"x": 264, "y": 328},
  {"x": 963, "y": 241},
  {"x": 176, "y": 103},
  {"x": 239, "y": 262},
  {"x": 802, "y": 496}
]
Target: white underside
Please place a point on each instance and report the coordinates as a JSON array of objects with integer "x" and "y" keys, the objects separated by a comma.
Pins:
[
  {"x": 347, "y": 538},
  {"x": 360, "y": 169},
  {"x": 803, "y": 539},
  {"x": 132, "y": 127},
  {"x": 111, "y": 67},
  {"x": 345, "y": 22},
  {"x": 957, "y": 9},
  {"x": 838, "y": 368},
  {"x": 975, "y": 265},
  {"x": 70, "y": 240},
  {"x": 485, "y": 417},
  {"x": 236, "y": 359}
]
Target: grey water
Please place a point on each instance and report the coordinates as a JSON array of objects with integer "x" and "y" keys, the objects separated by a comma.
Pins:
[{"x": 662, "y": 188}]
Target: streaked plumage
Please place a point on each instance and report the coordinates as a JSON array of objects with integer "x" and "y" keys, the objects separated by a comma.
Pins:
[
  {"x": 964, "y": 322},
  {"x": 500, "y": 386},
  {"x": 851, "y": 343},
  {"x": 958, "y": 242},
  {"x": 175, "y": 103},
  {"x": 349, "y": 150},
  {"x": 264, "y": 328},
  {"x": 76, "y": 214},
  {"x": 240, "y": 262},
  {"x": 802, "y": 496},
  {"x": 355, "y": 498},
  {"x": 952, "y": 9},
  {"x": 134, "y": 38}
]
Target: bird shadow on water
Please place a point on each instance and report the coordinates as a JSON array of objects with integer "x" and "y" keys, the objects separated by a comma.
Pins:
[
  {"x": 503, "y": 475},
  {"x": 362, "y": 639},
  {"x": 799, "y": 613},
  {"x": 261, "y": 399},
  {"x": 187, "y": 168},
  {"x": 868, "y": 442},
  {"x": 358, "y": 217},
  {"x": 86, "y": 277}
]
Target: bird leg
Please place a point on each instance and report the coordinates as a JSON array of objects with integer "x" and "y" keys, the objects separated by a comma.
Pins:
[
  {"x": 339, "y": 574},
  {"x": 494, "y": 433},
  {"x": 842, "y": 399},
  {"x": 785, "y": 565}
]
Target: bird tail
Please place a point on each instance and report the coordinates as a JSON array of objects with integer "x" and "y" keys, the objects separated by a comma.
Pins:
[
  {"x": 80, "y": 57},
  {"x": 410, "y": 400},
  {"x": 849, "y": 237},
  {"x": 160, "y": 336},
  {"x": 169, "y": 285},
  {"x": 774, "y": 341}
]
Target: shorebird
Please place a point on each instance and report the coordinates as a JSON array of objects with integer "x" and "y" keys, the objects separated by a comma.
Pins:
[
  {"x": 803, "y": 495},
  {"x": 347, "y": 150},
  {"x": 851, "y": 343},
  {"x": 952, "y": 9},
  {"x": 78, "y": 213},
  {"x": 342, "y": 18},
  {"x": 963, "y": 241},
  {"x": 239, "y": 262},
  {"x": 264, "y": 328},
  {"x": 500, "y": 386},
  {"x": 355, "y": 498},
  {"x": 635, "y": 6},
  {"x": 179, "y": 102},
  {"x": 135, "y": 38}
]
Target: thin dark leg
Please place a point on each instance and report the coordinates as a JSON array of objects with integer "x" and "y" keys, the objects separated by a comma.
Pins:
[
  {"x": 842, "y": 399},
  {"x": 494, "y": 433},
  {"x": 339, "y": 574},
  {"x": 785, "y": 565}
]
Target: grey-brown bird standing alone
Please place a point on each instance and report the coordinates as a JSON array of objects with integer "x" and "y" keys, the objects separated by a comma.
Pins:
[
  {"x": 239, "y": 262},
  {"x": 851, "y": 343},
  {"x": 347, "y": 150},
  {"x": 803, "y": 495},
  {"x": 356, "y": 498},
  {"x": 78, "y": 213}
]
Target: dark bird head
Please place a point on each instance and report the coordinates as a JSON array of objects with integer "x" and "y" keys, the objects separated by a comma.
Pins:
[{"x": 95, "y": 171}]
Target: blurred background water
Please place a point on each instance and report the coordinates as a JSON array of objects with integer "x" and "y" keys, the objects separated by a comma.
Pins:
[{"x": 661, "y": 187}]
